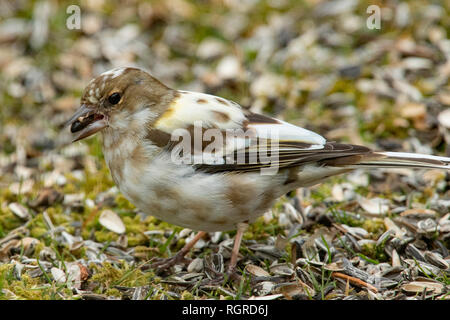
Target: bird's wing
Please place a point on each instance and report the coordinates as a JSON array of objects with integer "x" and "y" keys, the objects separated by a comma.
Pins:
[
  {"x": 208, "y": 111},
  {"x": 234, "y": 139}
]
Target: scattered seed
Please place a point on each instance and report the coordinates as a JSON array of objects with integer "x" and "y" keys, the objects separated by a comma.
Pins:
[{"x": 111, "y": 221}]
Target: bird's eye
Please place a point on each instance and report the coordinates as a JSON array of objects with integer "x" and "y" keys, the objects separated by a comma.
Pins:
[{"x": 114, "y": 98}]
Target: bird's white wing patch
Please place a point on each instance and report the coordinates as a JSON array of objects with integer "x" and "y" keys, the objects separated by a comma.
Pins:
[
  {"x": 284, "y": 131},
  {"x": 210, "y": 111},
  {"x": 207, "y": 111},
  {"x": 234, "y": 128}
]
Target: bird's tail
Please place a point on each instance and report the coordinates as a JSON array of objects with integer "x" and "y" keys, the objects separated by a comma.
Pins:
[{"x": 403, "y": 159}]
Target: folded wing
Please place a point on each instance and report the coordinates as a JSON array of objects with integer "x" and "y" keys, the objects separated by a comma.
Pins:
[{"x": 248, "y": 141}]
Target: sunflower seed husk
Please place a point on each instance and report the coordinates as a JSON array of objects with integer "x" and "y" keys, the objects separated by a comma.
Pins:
[
  {"x": 256, "y": 271},
  {"x": 266, "y": 251},
  {"x": 444, "y": 118},
  {"x": 421, "y": 286},
  {"x": 24, "y": 187},
  {"x": 334, "y": 266},
  {"x": 374, "y": 206},
  {"x": 385, "y": 237},
  {"x": 296, "y": 291},
  {"x": 390, "y": 225},
  {"x": 436, "y": 260},
  {"x": 122, "y": 241},
  {"x": 282, "y": 269},
  {"x": 267, "y": 297},
  {"x": 293, "y": 214},
  {"x": 427, "y": 226},
  {"x": 418, "y": 213},
  {"x": 355, "y": 244},
  {"x": 74, "y": 274},
  {"x": 19, "y": 210},
  {"x": 58, "y": 274},
  {"x": 25, "y": 246},
  {"x": 353, "y": 271},
  {"x": 413, "y": 252},
  {"x": 196, "y": 265},
  {"x": 381, "y": 282},
  {"x": 111, "y": 221},
  {"x": 442, "y": 248},
  {"x": 356, "y": 231},
  {"x": 137, "y": 294},
  {"x": 193, "y": 276},
  {"x": 263, "y": 288},
  {"x": 422, "y": 267},
  {"x": 47, "y": 254},
  {"x": 395, "y": 259},
  {"x": 304, "y": 262},
  {"x": 400, "y": 243},
  {"x": 214, "y": 265}
]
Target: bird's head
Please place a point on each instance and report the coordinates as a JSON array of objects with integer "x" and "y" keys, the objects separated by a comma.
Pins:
[{"x": 119, "y": 99}]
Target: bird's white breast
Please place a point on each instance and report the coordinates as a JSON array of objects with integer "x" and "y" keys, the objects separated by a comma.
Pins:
[{"x": 182, "y": 196}]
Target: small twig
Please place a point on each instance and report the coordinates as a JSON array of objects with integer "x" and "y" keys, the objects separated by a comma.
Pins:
[{"x": 354, "y": 280}]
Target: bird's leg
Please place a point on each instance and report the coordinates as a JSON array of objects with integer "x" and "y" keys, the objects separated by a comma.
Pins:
[
  {"x": 241, "y": 228},
  {"x": 231, "y": 273},
  {"x": 163, "y": 264}
]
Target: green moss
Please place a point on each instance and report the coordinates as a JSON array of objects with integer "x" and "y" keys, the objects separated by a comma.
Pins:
[
  {"x": 37, "y": 226},
  {"x": 321, "y": 192},
  {"x": 58, "y": 218},
  {"x": 259, "y": 230},
  {"x": 27, "y": 288},
  {"x": 104, "y": 236},
  {"x": 369, "y": 249},
  {"x": 38, "y": 248},
  {"x": 123, "y": 203},
  {"x": 186, "y": 295},
  {"x": 375, "y": 252},
  {"x": 134, "y": 224},
  {"x": 136, "y": 240},
  {"x": 375, "y": 227},
  {"x": 143, "y": 252},
  {"x": 9, "y": 221},
  {"x": 344, "y": 217},
  {"x": 38, "y": 232},
  {"x": 79, "y": 253},
  {"x": 248, "y": 235},
  {"x": 97, "y": 182},
  {"x": 106, "y": 276},
  {"x": 113, "y": 293}
]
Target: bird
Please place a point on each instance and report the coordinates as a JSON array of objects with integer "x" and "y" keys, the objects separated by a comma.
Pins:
[{"x": 205, "y": 163}]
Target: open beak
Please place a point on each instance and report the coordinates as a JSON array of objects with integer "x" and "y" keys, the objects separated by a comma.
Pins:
[{"x": 85, "y": 122}]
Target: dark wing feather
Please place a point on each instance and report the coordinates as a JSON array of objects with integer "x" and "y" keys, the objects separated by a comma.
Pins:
[{"x": 291, "y": 154}]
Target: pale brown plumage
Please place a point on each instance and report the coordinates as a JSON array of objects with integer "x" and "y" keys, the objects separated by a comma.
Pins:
[{"x": 140, "y": 119}]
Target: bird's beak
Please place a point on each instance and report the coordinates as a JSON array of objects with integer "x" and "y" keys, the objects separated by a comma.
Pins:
[{"x": 85, "y": 122}]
